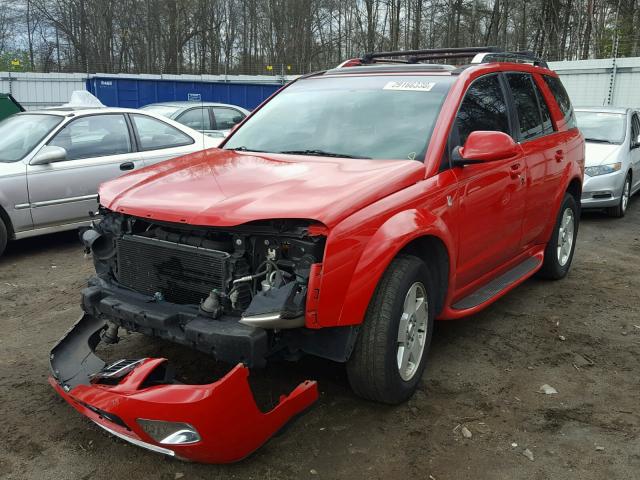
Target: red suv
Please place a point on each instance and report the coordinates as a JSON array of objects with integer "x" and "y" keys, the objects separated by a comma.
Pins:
[{"x": 343, "y": 216}]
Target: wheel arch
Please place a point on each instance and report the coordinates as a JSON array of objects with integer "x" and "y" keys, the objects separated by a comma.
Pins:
[
  {"x": 433, "y": 252},
  {"x": 4, "y": 216},
  {"x": 575, "y": 189},
  {"x": 411, "y": 231}
]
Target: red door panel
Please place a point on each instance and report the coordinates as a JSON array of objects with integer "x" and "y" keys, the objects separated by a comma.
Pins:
[{"x": 491, "y": 210}]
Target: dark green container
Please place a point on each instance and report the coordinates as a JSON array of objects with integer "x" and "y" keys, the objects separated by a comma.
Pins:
[{"x": 8, "y": 106}]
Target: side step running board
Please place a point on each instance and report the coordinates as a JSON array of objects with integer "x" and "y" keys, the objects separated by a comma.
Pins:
[{"x": 495, "y": 286}]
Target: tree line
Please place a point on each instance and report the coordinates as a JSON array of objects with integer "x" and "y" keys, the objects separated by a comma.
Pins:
[{"x": 296, "y": 36}]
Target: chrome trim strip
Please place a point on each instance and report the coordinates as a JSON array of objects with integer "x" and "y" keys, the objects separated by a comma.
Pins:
[
  {"x": 273, "y": 320},
  {"x": 51, "y": 229},
  {"x": 22, "y": 206},
  {"x": 60, "y": 201},
  {"x": 137, "y": 442}
]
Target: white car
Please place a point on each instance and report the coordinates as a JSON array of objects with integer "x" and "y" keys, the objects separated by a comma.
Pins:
[
  {"x": 52, "y": 162},
  {"x": 213, "y": 119},
  {"x": 612, "y": 157}
]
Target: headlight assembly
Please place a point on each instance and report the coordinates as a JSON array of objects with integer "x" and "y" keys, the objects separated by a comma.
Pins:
[{"x": 603, "y": 169}]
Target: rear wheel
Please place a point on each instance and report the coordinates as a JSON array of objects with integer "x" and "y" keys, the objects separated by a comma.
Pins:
[
  {"x": 390, "y": 353},
  {"x": 559, "y": 251},
  {"x": 3, "y": 237},
  {"x": 619, "y": 210}
]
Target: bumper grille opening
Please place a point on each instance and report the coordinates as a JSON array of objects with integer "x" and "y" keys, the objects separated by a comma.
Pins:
[{"x": 181, "y": 273}]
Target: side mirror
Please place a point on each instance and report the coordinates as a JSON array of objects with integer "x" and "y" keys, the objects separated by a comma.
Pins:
[
  {"x": 49, "y": 154},
  {"x": 485, "y": 146}
]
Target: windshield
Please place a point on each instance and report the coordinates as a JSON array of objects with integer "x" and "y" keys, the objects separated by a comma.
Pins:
[
  {"x": 380, "y": 117},
  {"x": 20, "y": 134},
  {"x": 602, "y": 127},
  {"x": 165, "y": 110}
]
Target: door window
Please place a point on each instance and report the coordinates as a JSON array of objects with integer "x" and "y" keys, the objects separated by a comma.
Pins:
[
  {"x": 547, "y": 124},
  {"x": 483, "y": 108},
  {"x": 94, "y": 136},
  {"x": 154, "y": 134},
  {"x": 561, "y": 96},
  {"x": 635, "y": 130},
  {"x": 227, "y": 118},
  {"x": 526, "y": 104},
  {"x": 196, "y": 118}
]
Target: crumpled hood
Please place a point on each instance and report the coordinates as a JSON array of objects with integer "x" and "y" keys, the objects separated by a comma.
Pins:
[
  {"x": 223, "y": 187},
  {"x": 600, "y": 153}
]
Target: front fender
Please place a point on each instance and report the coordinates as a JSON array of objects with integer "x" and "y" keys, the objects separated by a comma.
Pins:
[
  {"x": 360, "y": 248},
  {"x": 393, "y": 236}
]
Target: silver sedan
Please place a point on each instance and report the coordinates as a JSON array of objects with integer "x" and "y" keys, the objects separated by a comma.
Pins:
[
  {"x": 213, "y": 119},
  {"x": 612, "y": 157},
  {"x": 52, "y": 162}
]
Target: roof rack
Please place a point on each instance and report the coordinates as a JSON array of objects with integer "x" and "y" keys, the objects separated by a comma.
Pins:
[{"x": 479, "y": 55}]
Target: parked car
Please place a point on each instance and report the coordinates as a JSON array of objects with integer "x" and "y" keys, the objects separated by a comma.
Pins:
[
  {"x": 213, "y": 119},
  {"x": 9, "y": 106},
  {"x": 612, "y": 168},
  {"x": 339, "y": 220},
  {"x": 52, "y": 162}
]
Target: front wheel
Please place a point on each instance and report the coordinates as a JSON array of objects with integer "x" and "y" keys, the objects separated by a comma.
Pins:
[
  {"x": 390, "y": 353},
  {"x": 619, "y": 210},
  {"x": 559, "y": 251}
]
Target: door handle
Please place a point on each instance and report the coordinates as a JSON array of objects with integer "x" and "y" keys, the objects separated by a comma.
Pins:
[
  {"x": 559, "y": 155},
  {"x": 516, "y": 170},
  {"x": 127, "y": 166}
]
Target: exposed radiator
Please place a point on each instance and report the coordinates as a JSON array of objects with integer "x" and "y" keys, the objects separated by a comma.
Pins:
[{"x": 181, "y": 273}]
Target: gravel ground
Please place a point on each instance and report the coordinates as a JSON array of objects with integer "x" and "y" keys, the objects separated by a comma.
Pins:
[{"x": 580, "y": 335}]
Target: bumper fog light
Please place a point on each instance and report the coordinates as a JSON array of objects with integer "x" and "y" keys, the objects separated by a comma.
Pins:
[{"x": 170, "y": 433}]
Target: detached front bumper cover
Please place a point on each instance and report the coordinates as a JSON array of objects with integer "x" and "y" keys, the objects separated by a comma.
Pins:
[{"x": 214, "y": 423}]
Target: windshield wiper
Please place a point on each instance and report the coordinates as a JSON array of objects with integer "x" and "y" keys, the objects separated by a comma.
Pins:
[
  {"x": 597, "y": 140},
  {"x": 246, "y": 149},
  {"x": 322, "y": 153}
]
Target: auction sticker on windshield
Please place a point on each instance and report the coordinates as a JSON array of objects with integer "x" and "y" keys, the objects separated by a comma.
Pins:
[{"x": 416, "y": 86}]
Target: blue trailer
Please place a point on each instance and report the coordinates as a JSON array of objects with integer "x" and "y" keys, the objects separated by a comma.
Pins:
[{"x": 138, "y": 92}]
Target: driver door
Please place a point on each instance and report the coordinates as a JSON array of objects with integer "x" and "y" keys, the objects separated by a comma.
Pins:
[
  {"x": 99, "y": 148},
  {"x": 492, "y": 194}
]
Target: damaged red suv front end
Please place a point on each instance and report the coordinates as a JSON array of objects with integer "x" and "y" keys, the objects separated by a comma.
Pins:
[{"x": 139, "y": 401}]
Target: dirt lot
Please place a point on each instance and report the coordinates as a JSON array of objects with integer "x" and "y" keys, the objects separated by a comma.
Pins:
[{"x": 483, "y": 373}]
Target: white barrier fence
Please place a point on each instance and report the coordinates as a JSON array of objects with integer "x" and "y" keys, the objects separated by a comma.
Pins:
[{"x": 589, "y": 82}]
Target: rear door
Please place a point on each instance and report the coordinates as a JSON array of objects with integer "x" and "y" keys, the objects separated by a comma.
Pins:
[
  {"x": 158, "y": 141},
  {"x": 492, "y": 194},
  {"x": 543, "y": 149},
  {"x": 99, "y": 148}
]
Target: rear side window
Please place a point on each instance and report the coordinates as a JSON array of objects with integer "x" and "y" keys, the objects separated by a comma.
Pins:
[
  {"x": 483, "y": 108},
  {"x": 196, "y": 118},
  {"x": 561, "y": 96},
  {"x": 154, "y": 134},
  {"x": 227, "y": 118},
  {"x": 526, "y": 103}
]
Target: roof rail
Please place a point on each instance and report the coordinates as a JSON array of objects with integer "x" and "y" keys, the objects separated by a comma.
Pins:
[
  {"x": 525, "y": 57},
  {"x": 479, "y": 55}
]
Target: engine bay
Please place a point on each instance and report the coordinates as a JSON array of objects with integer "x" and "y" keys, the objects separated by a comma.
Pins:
[{"x": 258, "y": 272}]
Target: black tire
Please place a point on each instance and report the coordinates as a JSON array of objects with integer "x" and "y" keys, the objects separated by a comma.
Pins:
[
  {"x": 619, "y": 210},
  {"x": 4, "y": 237},
  {"x": 373, "y": 369},
  {"x": 552, "y": 268}
]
